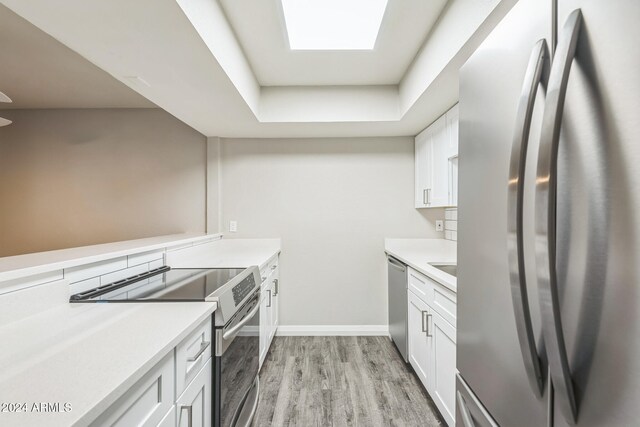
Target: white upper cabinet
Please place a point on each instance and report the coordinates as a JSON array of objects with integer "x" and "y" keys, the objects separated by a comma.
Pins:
[
  {"x": 422, "y": 159},
  {"x": 439, "y": 191},
  {"x": 453, "y": 119},
  {"x": 436, "y": 172}
]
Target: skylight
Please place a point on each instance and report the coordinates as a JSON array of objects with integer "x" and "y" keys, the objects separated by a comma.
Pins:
[{"x": 333, "y": 24}]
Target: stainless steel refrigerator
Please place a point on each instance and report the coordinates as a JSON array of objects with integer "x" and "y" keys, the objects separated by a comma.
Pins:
[{"x": 549, "y": 219}]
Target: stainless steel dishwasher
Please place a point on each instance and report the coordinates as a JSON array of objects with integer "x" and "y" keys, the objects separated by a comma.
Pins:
[{"x": 398, "y": 304}]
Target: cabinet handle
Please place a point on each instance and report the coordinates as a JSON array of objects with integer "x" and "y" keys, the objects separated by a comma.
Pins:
[
  {"x": 425, "y": 324},
  {"x": 424, "y": 328},
  {"x": 269, "y": 290},
  {"x": 189, "y": 409},
  {"x": 426, "y": 196},
  {"x": 203, "y": 347},
  {"x": 273, "y": 267},
  {"x": 276, "y": 282},
  {"x": 263, "y": 278}
]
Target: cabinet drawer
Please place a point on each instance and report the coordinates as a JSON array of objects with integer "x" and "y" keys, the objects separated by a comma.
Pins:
[
  {"x": 192, "y": 354},
  {"x": 269, "y": 272},
  {"x": 421, "y": 285},
  {"x": 147, "y": 402},
  {"x": 433, "y": 293},
  {"x": 272, "y": 267},
  {"x": 264, "y": 274},
  {"x": 444, "y": 303}
]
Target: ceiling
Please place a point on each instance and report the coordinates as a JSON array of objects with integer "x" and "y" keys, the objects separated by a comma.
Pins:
[
  {"x": 263, "y": 37},
  {"x": 198, "y": 60},
  {"x": 40, "y": 72}
]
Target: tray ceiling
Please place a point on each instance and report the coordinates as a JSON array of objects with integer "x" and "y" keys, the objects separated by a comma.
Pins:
[{"x": 188, "y": 57}]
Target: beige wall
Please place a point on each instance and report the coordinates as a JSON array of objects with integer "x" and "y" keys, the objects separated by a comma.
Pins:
[
  {"x": 332, "y": 201},
  {"x": 78, "y": 177}
]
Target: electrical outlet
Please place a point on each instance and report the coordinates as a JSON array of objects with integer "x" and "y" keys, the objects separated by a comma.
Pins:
[
  {"x": 233, "y": 226},
  {"x": 439, "y": 225}
]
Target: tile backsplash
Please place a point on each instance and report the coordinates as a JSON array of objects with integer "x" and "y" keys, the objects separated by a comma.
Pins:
[{"x": 451, "y": 224}]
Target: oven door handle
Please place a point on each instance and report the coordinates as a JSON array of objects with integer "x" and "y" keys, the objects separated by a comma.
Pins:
[{"x": 233, "y": 331}]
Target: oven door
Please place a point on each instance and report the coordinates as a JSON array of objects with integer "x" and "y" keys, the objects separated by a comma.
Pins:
[{"x": 236, "y": 370}]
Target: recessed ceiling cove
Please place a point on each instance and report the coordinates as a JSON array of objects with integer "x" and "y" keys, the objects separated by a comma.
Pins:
[
  {"x": 225, "y": 66},
  {"x": 261, "y": 30}
]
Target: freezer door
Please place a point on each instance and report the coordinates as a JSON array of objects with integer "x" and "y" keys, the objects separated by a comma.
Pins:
[
  {"x": 489, "y": 353},
  {"x": 598, "y": 221}
]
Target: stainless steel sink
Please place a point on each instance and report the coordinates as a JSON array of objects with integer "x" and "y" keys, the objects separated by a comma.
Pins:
[{"x": 451, "y": 269}]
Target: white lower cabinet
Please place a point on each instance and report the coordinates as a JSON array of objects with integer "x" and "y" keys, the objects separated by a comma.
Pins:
[
  {"x": 169, "y": 420},
  {"x": 194, "y": 405},
  {"x": 265, "y": 299},
  {"x": 147, "y": 402},
  {"x": 275, "y": 299},
  {"x": 192, "y": 354},
  {"x": 269, "y": 302},
  {"x": 419, "y": 342},
  {"x": 152, "y": 400},
  {"x": 432, "y": 343},
  {"x": 443, "y": 384}
]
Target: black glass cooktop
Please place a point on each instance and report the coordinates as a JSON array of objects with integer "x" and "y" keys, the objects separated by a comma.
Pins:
[{"x": 162, "y": 284}]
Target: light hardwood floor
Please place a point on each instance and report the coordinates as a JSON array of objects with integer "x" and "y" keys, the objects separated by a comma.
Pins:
[{"x": 340, "y": 381}]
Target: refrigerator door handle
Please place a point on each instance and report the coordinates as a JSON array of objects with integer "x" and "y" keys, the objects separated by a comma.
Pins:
[
  {"x": 536, "y": 74},
  {"x": 467, "y": 421},
  {"x": 545, "y": 217}
]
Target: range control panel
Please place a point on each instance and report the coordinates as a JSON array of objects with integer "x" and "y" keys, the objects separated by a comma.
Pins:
[{"x": 242, "y": 289}]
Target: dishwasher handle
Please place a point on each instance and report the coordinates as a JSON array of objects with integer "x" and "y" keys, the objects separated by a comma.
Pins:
[{"x": 396, "y": 264}]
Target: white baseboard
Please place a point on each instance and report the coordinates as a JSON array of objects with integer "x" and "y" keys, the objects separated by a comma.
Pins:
[{"x": 332, "y": 330}]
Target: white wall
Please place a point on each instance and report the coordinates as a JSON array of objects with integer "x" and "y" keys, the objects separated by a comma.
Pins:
[
  {"x": 78, "y": 177},
  {"x": 332, "y": 201}
]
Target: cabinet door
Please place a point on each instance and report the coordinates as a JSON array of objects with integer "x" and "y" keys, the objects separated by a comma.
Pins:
[
  {"x": 198, "y": 343},
  {"x": 422, "y": 168},
  {"x": 419, "y": 342},
  {"x": 147, "y": 402},
  {"x": 275, "y": 301},
  {"x": 270, "y": 301},
  {"x": 453, "y": 119},
  {"x": 452, "y": 127},
  {"x": 169, "y": 420},
  {"x": 194, "y": 406},
  {"x": 453, "y": 181},
  {"x": 439, "y": 170},
  {"x": 444, "y": 367},
  {"x": 264, "y": 322}
]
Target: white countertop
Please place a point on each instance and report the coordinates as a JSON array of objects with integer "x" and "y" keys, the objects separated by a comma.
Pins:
[
  {"x": 418, "y": 253},
  {"x": 42, "y": 262},
  {"x": 87, "y": 355},
  {"x": 226, "y": 253}
]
